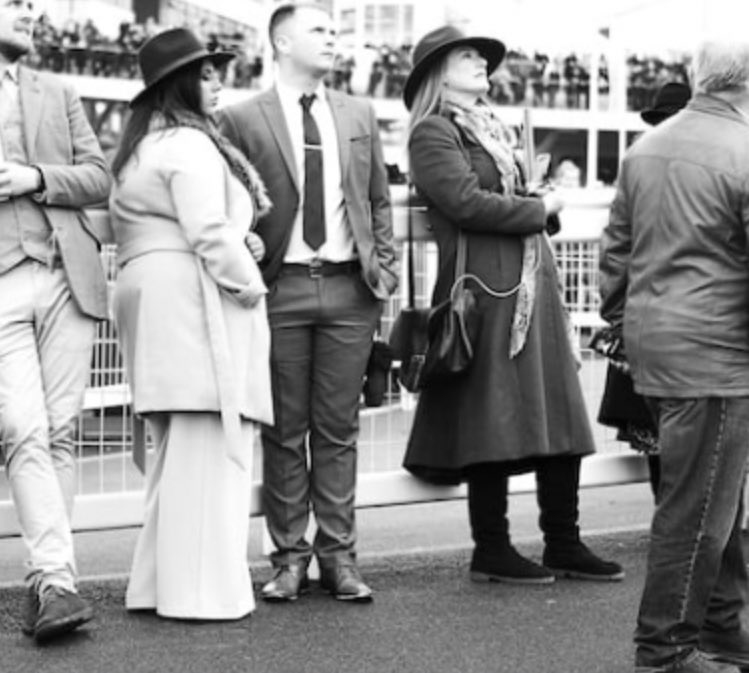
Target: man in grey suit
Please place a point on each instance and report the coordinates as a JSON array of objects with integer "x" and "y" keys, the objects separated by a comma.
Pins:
[
  {"x": 329, "y": 264},
  {"x": 53, "y": 290}
]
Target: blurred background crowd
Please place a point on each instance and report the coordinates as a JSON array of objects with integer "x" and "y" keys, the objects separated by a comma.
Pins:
[
  {"x": 82, "y": 48},
  {"x": 538, "y": 79}
]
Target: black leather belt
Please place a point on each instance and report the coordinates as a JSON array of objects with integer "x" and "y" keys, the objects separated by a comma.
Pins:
[{"x": 319, "y": 268}]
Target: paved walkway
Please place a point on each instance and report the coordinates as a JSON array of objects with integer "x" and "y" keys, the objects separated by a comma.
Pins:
[{"x": 427, "y": 616}]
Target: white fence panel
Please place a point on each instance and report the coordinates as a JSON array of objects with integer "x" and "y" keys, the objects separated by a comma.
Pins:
[{"x": 110, "y": 488}]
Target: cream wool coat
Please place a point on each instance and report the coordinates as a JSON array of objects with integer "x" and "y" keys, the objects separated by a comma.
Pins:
[{"x": 189, "y": 300}]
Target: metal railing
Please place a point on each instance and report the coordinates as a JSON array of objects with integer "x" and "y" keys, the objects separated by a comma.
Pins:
[{"x": 110, "y": 488}]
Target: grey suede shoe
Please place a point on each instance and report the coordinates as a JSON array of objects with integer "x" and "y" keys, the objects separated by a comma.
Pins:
[{"x": 60, "y": 611}]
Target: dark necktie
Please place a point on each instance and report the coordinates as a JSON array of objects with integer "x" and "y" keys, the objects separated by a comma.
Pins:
[{"x": 314, "y": 205}]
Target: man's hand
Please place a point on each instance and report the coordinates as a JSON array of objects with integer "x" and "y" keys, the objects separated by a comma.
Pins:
[{"x": 17, "y": 180}]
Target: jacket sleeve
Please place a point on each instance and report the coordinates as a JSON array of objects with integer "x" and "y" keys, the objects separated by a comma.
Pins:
[
  {"x": 616, "y": 246},
  {"x": 442, "y": 172},
  {"x": 227, "y": 124},
  {"x": 85, "y": 181},
  {"x": 382, "y": 216},
  {"x": 196, "y": 177}
]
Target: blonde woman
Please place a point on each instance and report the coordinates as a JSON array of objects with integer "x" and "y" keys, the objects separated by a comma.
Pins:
[{"x": 520, "y": 407}]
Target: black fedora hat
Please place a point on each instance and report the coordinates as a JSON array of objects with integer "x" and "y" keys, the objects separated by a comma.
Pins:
[
  {"x": 168, "y": 51},
  {"x": 436, "y": 44},
  {"x": 670, "y": 98}
]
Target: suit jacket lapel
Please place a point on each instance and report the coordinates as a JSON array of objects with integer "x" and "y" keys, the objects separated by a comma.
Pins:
[
  {"x": 341, "y": 118},
  {"x": 274, "y": 117},
  {"x": 31, "y": 95}
]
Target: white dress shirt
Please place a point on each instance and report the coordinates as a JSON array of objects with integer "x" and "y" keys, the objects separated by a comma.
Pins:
[{"x": 339, "y": 242}]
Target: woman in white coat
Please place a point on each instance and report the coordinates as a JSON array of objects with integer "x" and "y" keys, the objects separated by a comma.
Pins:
[{"x": 190, "y": 310}]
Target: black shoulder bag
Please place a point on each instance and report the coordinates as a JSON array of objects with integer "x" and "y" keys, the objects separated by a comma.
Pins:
[{"x": 436, "y": 344}]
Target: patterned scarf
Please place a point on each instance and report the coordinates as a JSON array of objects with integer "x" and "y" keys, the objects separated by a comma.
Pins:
[
  {"x": 238, "y": 164},
  {"x": 482, "y": 126}
]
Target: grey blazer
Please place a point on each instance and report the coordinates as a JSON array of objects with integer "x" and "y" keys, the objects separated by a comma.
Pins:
[{"x": 60, "y": 141}]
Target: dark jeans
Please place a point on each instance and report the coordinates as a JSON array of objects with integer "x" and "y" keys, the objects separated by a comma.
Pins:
[
  {"x": 696, "y": 575},
  {"x": 321, "y": 337}
]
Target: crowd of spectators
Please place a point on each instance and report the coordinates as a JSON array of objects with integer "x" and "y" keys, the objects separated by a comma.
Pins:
[
  {"x": 542, "y": 81},
  {"x": 83, "y": 49},
  {"x": 538, "y": 80}
]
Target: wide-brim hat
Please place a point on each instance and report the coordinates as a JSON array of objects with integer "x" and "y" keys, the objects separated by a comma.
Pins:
[
  {"x": 166, "y": 52},
  {"x": 671, "y": 98},
  {"x": 436, "y": 44}
]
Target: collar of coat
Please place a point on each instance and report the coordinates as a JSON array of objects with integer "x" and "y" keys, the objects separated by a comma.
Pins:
[{"x": 715, "y": 105}]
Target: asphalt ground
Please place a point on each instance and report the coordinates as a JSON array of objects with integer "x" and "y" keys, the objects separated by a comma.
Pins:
[{"x": 427, "y": 615}]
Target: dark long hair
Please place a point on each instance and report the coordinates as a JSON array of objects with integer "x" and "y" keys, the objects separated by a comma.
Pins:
[{"x": 170, "y": 99}]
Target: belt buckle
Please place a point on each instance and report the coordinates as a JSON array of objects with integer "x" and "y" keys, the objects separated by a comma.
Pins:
[{"x": 315, "y": 268}]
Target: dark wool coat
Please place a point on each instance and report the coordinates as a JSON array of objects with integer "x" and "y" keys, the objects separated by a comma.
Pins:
[{"x": 503, "y": 410}]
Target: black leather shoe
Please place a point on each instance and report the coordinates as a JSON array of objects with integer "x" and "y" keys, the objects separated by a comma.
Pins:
[
  {"x": 345, "y": 583},
  {"x": 60, "y": 611},
  {"x": 287, "y": 584}
]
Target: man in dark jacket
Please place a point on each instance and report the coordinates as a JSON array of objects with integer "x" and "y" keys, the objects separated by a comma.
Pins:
[
  {"x": 329, "y": 264},
  {"x": 675, "y": 272}
]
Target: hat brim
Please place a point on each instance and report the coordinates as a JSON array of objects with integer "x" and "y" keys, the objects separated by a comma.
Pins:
[
  {"x": 492, "y": 50},
  {"x": 218, "y": 58}
]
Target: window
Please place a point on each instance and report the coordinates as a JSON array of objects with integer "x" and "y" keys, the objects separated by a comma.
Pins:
[{"x": 388, "y": 24}]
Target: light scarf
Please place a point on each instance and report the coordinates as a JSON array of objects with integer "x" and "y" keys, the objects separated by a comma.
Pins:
[{"x": 485, "y": 128}]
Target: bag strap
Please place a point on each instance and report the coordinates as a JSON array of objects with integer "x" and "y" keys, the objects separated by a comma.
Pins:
[
  {"x": 410, "y": 252},
  {"x": 460, "y": 258},
  {"x": 461, "y": 276}
]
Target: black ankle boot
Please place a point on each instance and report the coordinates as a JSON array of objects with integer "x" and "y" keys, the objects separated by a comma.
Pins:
[
  {"x": 557, "y": 481},
  {"x": 507, "y": 565},
  {"x": 495, "y": 559},
  {"x": 576, "y": 561}
]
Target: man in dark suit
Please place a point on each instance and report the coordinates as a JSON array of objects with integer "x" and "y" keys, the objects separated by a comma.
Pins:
[
  {"x": 53, "y": 290},
  {"x": 329, "y": 265}
]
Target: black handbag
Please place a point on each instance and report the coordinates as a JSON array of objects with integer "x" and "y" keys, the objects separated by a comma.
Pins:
[
  {"x": 452, "y": 328},
  {"x": 436, "y": 344}
]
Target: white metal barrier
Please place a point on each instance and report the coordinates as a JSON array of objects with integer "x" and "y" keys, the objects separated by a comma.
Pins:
[{"x": 110, "y": 488}]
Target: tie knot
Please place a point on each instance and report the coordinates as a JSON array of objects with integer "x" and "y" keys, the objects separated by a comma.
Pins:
[{"x": 307, "y": 101}]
